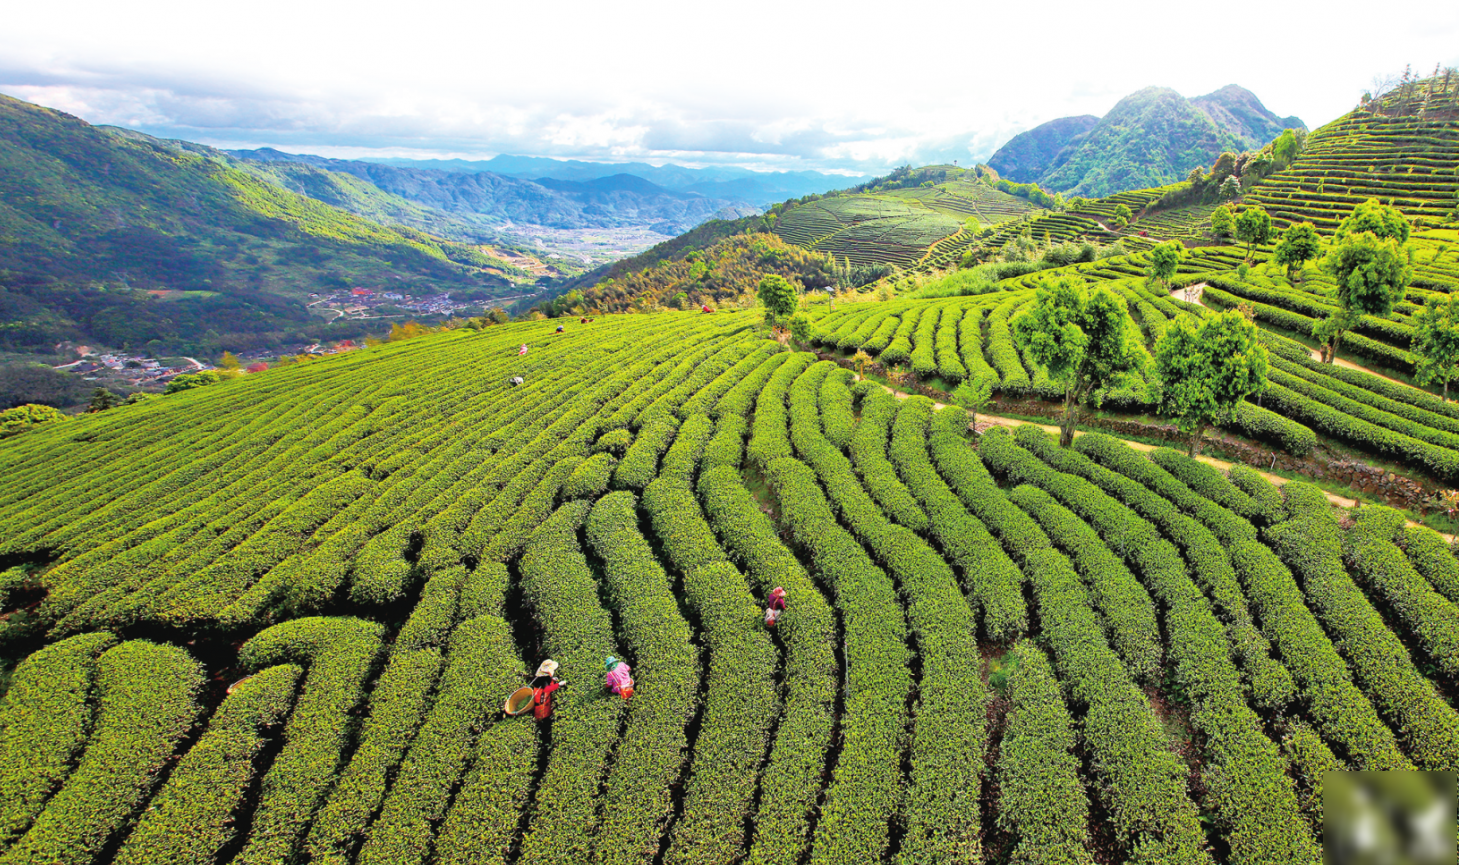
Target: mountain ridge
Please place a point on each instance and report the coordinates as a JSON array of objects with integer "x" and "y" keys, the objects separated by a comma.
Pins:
[{"x": 1149, "y": 138}]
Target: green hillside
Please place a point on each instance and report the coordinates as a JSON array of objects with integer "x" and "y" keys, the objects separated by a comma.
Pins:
[
  {"x": 1150, "y": 138},
  {"x": 276, "y": 618},
  {"x": 372, "y": 547},
  {"x": 90, "y": 220}
]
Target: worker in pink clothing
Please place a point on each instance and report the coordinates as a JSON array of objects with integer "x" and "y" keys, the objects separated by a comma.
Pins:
[
  {"x": 774, "y": 606},
  {"x": 619, "y": 679}
]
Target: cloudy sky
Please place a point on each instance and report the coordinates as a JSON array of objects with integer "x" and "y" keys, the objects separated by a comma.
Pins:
[{"x": 773, "y": 85}]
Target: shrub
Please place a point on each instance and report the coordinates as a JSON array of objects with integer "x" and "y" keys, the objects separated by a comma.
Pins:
[
  {"x": 341, "y": 654},
  {"x": 146, "y": 703},
  {"x": 1041, "y": 799},
  {"x": 43, "y": 726},
  {"x": 192, "y": 818}
]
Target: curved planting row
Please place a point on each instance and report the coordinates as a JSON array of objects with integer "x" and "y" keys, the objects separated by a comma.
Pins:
[
  {"x": 948, "y": 725},
  {"x": 1254, "y": 800}
]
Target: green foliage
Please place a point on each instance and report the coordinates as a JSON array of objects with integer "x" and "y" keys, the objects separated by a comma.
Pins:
[
  {"x": 188, "y": 381},
  {"x": 1436, "y": 343},
  {"x": 1299, "y": 245},
  {"x": 1207, "y": 370},
  {"x": 1041, "y": 799},
  {"x": 800, "y": 328},
  {"x": 1222, "y": 222},
  {"x": 1165, "y": 258},
  {"x": 1377, "y": 219},
  {"x": 1253, "y": 226},
  {"x": 46, "y": 719},
  {"x": 146, "y": 701},
  {"x": 777, "y": 296},
  {"x": 14, "y": 421},
  {"x": 1084, "y": 340},
  {"x": 192, "y": 817}
]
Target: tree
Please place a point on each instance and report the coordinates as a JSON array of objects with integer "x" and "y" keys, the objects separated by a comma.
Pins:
[
  {"x": 1371, "y": 274},
  {"x": 228, "y": 361},
  {"x": 1206, "y": 370},
  {"x": 862, "y": 359},
  {"x": 1224, "y": 167},
  {"x": 778, "y": 297},
  {"x": 1436, "y": 342},
  {"x": 190, "y": 381},
  {"x": 1376, "y": 219},
  {"x": 1164, "y": 259},
  {"x": 1121, "y": 216},
  {"x": 1230, "y": 189},
  {"x": 1285, "y": 149},
  {"x": 103, "y": 399},
  {"x": 1222, "y": 222},
  {"x": 1084, "y": 340},
  {"x": 1299, "y": 245},
  {"x": 1253, "y": 226},
  {"x": 14, "y": 421},
  {"x": 974, "y": 394},
  {"x": 800, "y": 328}
]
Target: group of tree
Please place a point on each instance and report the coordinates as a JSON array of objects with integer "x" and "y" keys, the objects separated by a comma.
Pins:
[
  {"x": 1086, "y": 340},
  {"x": 1206, "y": 367},
  {"x": 1233, "y": 174}
]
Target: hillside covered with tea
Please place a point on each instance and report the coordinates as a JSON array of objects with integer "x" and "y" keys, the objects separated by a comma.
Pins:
[{"x": 276, "y": 618}]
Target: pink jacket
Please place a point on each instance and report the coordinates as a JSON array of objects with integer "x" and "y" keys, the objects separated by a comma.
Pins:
[{"x": 618, "y": 677}]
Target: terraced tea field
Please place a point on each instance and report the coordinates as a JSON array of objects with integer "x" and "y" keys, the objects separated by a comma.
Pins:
[
  {"x": 905, "y": 227},
  {"x": 274, "y": 620}
]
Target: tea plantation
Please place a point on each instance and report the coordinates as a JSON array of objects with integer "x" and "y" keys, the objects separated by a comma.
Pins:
[{"x": 274, "y": 619}]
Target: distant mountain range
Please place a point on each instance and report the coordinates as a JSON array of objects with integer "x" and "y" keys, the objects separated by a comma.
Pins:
[
  {"x": 116, "y": 238},
  {"x": 1152, "y": 137},
  {"x": 760, "y": 187},
  {"x": 491, "y": 201}
]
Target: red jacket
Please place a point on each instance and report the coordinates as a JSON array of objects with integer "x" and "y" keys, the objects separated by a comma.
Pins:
[{"x": 542, "y": 700}]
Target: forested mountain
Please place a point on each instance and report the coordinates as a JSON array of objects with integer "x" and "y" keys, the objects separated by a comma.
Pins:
[
  {"x": 1029, "y": 154},
  {"x": 490, "y": 201},
  {"x": 1150, "y": 138},
  {"x": 93, "y": 219},
  {"x": 726, "y": 181}
]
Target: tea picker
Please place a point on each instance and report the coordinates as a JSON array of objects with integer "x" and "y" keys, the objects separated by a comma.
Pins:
[
  {"x": 538, "y": 695},
  {"x": 619, "y": 678}
]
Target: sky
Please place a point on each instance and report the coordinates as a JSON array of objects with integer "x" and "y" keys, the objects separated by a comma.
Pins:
[{"x": 852, "y": 87}]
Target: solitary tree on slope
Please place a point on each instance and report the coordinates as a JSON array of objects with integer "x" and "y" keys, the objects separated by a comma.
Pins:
[
  {"x": 1206, "y": 370},
  {"x": 1253, "y": 226},
  {"x": 1371, "y": 264},
  {"x": 778, "y": 297},
  {"x": 1164, "y": 259},
  {"x": 1085, "y": 340},
  {"x": 1222, "y": 221},
  {"x": 1299, "y": 245},
  {"x": 1436, "y": 342}
]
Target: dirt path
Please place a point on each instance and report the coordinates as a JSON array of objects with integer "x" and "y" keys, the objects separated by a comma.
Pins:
[
  {"x": 1195, "y": 294},
  {"x": 1199, "y": 289},
  {"x": 1347, "y": 364},
  {"x": 1222, "y": 465}
]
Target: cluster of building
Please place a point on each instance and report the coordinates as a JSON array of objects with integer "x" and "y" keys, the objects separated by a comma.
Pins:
[
  {"x": 366, "y": 303},
  {"x": 128, "y": 369}
]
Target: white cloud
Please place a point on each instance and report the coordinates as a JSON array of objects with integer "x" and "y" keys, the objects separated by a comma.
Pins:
[{"x": 769, "y": 84}]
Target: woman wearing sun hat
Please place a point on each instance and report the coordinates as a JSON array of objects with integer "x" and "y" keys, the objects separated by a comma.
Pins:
[
  {"x": 619, "y": 679},
  {"x": 543, "y": 684}
]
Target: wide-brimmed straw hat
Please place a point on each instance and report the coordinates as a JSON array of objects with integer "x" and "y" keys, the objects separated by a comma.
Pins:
[{"x": 547, "y": 667}]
